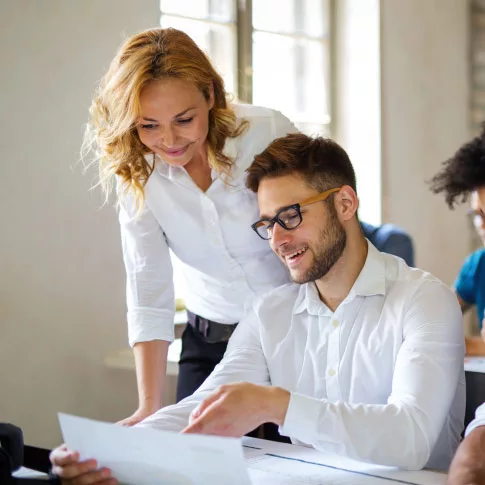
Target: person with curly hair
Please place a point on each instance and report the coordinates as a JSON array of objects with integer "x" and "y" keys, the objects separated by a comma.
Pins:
[
  {"x": 166, "y": 136},
  {"x": 462, "y": 178}
]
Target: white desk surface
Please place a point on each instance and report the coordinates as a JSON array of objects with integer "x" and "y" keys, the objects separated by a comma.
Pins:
[
  {"x": 271, "y": 463},
  {"x": 475, "y": 364},
  {"x": 274, "y": 463}
]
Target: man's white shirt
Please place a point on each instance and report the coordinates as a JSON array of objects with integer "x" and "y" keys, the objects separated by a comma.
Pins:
[
  {"x": 225, "y": 264},
  {"x": 381, "y": 379}
]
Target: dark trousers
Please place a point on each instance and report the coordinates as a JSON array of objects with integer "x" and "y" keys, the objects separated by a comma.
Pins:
[{"x": 197, "y": 360}]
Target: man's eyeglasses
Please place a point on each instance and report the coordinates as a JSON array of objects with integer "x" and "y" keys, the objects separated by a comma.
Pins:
[{"x": 288, "y": 217}]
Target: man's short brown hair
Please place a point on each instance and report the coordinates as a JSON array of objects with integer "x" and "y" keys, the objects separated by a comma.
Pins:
[{"x": 322, "y": 162}]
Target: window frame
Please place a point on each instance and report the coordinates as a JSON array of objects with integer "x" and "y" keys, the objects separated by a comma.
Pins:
[{"x": 243, "y": 25}]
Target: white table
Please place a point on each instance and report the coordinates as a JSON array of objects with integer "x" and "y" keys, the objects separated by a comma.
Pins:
[
  {"x": 274, "y": 463},
  {"x": 271, "y": 463}
]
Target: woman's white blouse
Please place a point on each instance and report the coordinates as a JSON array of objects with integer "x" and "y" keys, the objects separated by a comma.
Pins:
[{"x": 224, "y": 262}]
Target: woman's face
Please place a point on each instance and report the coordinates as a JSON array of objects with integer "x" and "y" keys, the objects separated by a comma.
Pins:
[{"x": 174, "y": 120}]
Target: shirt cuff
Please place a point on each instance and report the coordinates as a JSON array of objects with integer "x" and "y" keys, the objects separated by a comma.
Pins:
[
  {"x": 146, "y": 324},
  {"x": 478, "y": 421},
  {"x": 302, "y": 417}
]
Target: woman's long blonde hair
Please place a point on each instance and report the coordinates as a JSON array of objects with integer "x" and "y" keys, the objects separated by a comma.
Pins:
[{"x": 149, "y": 56}]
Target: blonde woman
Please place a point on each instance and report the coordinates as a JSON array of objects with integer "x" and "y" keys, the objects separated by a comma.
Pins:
[{"x": 177, "y": 151}]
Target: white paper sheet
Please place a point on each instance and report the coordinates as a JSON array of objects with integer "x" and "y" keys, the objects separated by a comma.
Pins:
[
  {"x": 282, "y": 464},
  {"x": 139, "y": 456}
]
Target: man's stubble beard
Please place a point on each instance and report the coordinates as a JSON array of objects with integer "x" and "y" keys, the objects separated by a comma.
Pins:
[{"x": 333, "y": 240}]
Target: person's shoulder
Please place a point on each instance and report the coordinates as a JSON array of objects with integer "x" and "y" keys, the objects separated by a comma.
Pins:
[
  {"x": 406, "y": 279},
  {"x": 476, "y": 258},
  {"x": 258, "y": 113},
  {"x": 263, "y": 126},
  {"x": 264, "y": 122}
]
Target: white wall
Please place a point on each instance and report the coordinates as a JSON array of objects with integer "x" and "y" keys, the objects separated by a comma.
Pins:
[
  {"x": 425, "y": 118},
  {"x": 61, "y": 277},
  {"x": 400, "y": 124}
]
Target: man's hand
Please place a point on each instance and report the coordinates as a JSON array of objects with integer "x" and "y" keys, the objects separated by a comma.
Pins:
[
  {"x": 236, "y": 409},
  {"x": 66, "y": 465},
  {"x": 139, "y": 415}
]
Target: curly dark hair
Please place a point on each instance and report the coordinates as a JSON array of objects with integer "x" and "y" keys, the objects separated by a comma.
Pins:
[{"x": 463, "y": 173}]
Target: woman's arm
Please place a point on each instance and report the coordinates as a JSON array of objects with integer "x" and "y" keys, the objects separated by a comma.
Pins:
[
  {"x": 151, "y": 366},
  {"x": 151, "y": 304}
]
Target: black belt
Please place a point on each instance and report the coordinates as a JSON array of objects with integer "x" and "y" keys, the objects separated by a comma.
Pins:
[{"x": 211, "y": 332}]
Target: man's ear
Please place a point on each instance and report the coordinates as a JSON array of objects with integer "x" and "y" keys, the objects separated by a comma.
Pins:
[{"x": 346, "y": 202}]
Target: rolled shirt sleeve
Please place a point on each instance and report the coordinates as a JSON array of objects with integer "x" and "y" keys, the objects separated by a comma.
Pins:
[{"x": 149, "y": 276}]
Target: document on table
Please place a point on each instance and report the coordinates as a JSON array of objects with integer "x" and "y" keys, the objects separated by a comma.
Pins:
[
  {"x": 141, "y": 456},
  {"x": 281, "y": 464}
]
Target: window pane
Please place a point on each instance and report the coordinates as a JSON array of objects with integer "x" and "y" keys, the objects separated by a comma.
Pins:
[
  {"x": 306, "y": 17},
  {"x": 314, "y": 129},
  {"x": 216, "y": 10},
  {"x": 291, "y": 75},
  {"x": 218, "y": 41}
]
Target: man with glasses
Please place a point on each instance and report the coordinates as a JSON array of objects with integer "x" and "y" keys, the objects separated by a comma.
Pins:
[{"x": 361, "y": 355}]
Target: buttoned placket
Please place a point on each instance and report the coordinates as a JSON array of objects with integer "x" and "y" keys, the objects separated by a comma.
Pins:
[
  {"x": 213, "y": 226},
  {"x": 333, "y": 356}
]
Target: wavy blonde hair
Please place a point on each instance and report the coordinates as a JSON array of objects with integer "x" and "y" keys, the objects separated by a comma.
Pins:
[{"x": 111, "y": 133}]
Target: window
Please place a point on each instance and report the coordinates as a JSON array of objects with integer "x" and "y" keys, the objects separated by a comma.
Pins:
[{"x": 255, "y": 43}]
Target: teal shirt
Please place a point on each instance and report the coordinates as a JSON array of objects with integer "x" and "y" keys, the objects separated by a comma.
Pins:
[{"x": 470, "y": 284}]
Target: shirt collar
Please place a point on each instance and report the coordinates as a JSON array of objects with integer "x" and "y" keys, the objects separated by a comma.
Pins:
[
  {"x": 371, "y": 281},
  {"x": 372, "y": 278}
]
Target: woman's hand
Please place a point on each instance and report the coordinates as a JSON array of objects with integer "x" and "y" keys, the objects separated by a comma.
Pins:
[
  {"x": 139, "y": 415},
  {"x": 66, "y": 465}
]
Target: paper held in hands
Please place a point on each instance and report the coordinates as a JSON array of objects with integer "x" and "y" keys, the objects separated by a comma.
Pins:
[{"x": 141, "y": 456}]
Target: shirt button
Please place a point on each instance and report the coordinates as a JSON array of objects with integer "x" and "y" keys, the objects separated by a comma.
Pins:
[
  {"x": 331, "y": 372},
  {"x": 335, "y": 323}
]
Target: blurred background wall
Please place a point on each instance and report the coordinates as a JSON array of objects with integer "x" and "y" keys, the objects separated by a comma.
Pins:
[{"x": 405, "y": 92}]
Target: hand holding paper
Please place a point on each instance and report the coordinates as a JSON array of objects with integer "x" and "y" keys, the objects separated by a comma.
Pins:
[{"x": 141, "y": 456}]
